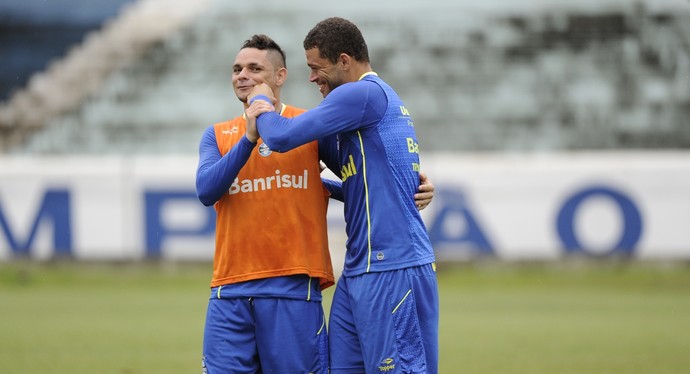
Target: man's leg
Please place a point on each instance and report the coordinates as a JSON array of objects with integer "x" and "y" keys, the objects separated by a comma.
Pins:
[
  {"x": 291, "y": 336},
  {"x": 229, "y": 338},
  {"x": 425, "y": 289},
  {"x": 346, "y": 353},
  {"x": 394, "y": 316}
]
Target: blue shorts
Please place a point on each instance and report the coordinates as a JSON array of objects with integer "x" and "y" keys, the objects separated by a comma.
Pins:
[
  {"x": 265, "y": 335},
  {"x": 385, "y": 322}
]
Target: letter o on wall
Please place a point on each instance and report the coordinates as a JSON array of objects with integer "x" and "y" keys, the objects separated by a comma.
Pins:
[{"x": 632, "y": 220}]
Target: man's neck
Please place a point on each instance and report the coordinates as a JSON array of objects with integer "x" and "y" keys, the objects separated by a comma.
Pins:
[{"x": 358, "y": 70}]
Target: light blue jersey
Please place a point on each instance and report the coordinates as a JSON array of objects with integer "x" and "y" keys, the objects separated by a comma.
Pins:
[{"x": 373, "y": 147}]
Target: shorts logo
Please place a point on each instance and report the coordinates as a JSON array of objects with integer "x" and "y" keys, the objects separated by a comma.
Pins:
[
  {"x": 386, "y": 365},
  {"x": 379, "y": 256},
  {"x": 264, "y": 150}
]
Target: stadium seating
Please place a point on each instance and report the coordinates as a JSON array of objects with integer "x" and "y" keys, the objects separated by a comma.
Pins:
[{"x": 598, "y": 75}]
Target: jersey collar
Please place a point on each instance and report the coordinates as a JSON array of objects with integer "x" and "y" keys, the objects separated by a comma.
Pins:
[{"x": 367, "y": 73}]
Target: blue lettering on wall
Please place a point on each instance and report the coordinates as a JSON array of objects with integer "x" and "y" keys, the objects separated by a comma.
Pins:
[
  {"x": 632, "y": 220},
  {"x": 156, "y": 231},
  {"x": 54, "y": 208},
  {"x": 455, "y": 226}
]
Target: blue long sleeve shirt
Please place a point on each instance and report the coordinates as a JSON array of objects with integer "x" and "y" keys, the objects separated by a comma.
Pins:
[{"x": 372, "y": 144}]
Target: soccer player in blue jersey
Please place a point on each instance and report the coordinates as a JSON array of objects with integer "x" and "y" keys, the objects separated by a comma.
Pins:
[{"x": 384, "y": 314}]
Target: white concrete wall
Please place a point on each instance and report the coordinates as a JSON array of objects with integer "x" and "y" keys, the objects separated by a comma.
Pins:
[{"x": 508, "y": 206}]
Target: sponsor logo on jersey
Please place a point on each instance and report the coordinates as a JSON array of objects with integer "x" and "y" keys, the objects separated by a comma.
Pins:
[
  {"x": 348, "y": 169},
  {"x": 412, "y": 146},
  {"x": 233, "y": 130},
  {"x": 270, "y": 182}
]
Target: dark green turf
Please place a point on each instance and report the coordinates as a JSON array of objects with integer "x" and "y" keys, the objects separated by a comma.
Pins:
[{"x": 495, "y": 318}]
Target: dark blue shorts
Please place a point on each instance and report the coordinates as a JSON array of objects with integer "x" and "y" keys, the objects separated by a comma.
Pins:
[
  {"x": 265, "y": 335},
  {"x": 385, "y": 322}
]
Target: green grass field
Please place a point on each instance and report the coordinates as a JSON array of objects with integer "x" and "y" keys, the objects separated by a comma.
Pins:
[{"x": 495, "y": 318}]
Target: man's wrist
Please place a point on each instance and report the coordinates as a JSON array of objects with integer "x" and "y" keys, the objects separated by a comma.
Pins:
[
  {"x": 260, "y": 97},
  {"x": 249, "y": 142}
]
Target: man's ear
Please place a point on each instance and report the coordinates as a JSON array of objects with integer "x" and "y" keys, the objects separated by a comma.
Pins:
[
  {"x": 345, "y": 60},
  {"x": 281, "y": 76}
]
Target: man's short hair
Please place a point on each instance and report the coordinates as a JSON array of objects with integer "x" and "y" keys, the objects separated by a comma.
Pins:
[
  {"x": 264, "y": 43},
  {"x": 334, "y": 36}
]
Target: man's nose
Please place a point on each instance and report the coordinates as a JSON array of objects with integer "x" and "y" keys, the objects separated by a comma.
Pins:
[{"x": 243, "y": 74}]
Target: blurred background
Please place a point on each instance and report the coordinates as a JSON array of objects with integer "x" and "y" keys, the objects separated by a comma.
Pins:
[
  {"x": 549, "y": 127},
  {"x": 99, "y": 77},
  {"x": 554, "y": 131}
]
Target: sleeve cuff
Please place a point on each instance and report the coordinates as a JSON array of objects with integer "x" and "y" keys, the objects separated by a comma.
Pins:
[
  {"x": 246, "y": 143},
  {"x": 260, "y": 97}
]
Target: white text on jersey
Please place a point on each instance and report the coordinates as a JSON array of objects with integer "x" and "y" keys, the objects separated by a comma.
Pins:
[{"x": 267, "y": 183}]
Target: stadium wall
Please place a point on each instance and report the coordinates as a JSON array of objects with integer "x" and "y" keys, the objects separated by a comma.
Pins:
[{"x": 508, "y": 206}]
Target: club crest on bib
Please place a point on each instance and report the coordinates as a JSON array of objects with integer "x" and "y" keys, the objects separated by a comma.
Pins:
[{"x": 264, "y": 150}]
